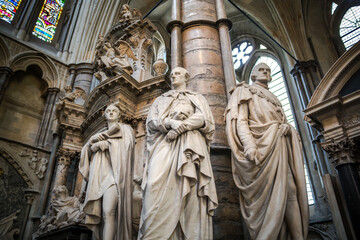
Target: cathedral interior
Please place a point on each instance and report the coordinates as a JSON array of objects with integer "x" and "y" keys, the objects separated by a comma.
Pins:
[{"x": 59, "y": 71}]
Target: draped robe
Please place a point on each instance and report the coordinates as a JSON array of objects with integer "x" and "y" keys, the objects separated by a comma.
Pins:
[
  {"x": 179, "y": 195},
  {"x": 103, "y": 169},
  {"x": 263, "y": 187}
]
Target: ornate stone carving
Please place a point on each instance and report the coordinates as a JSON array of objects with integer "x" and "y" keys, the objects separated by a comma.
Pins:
[
  {"x": 65, "y": 156},
  {"x": 324, "y": 230},
  {"x": 70, "y": 96},
  {"x": 26, "y": 178},
  {"x": 160, "y": 67},
  {"x": 127, "y": 15},
  {"x": 6, "y": 231},
  {"x": 125, "y": 48},
  {"x": 351, "y": 120},
  {"x": 63, "y": 210},
  {"x": 341, "y": 152},
  {"x": 36, "y": 163}
]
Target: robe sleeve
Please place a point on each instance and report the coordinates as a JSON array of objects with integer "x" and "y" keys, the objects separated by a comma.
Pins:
[
  {"x": 243, "y": 129},
  {"x": 195, "y": 121},
  {"x": 84, "y": 165},
  {"x": 154, "y": 122}
]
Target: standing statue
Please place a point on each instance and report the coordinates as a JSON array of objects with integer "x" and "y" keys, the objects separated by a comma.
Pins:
[
  {"x": 268, "y": 165},
  {"x": 106, "y": 165},
  {"x": 179, "y": 195}
]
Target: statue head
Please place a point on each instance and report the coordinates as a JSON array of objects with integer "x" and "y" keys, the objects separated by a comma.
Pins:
[
  {"x": 179, "y": 77},
  {"x": 112, "y": 113},
  {"x": 261, "y": 73}
]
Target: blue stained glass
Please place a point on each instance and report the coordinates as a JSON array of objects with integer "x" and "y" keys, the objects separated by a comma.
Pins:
[
  {"x": 8, "y": 9},
  {"x": 48, "y": 19}
]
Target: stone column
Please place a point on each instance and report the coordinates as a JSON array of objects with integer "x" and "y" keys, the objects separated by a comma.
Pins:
[
  {"x": 65, "y": 157},
  {"x": 342, "y": 155},
  {"x": 224, "y": 25},
  {"x": 43, "y": 136},
  {"x": 27, "y": 227},
  {"x": 84, "y": 76},
  {"x": 202, "y": 57},
  {"x": 5, "y": 75},
  {"x": 306, "y": 78},
  {"x": 175, "y": 28}
]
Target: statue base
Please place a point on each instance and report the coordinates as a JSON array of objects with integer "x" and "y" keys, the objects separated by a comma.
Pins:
[{"x": 72, "y": 232}]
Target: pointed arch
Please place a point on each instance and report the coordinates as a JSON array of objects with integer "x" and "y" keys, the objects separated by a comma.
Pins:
[
  {"x": 11, "y": 160},
  {"x": 5, "y": 53},
  {"x": 49, "y": 71}
]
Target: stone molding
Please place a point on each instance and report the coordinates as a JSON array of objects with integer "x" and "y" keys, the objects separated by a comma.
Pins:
[
  {"x": 337, "y": 76},
  {"x": 341, "y": 151},
  {"x": 18, "y": 168}
]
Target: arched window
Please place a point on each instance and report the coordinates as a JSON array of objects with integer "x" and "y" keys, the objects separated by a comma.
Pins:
[
  {"x": 8, "y": 9},
  {"x": 250, "y": 52},
  {"x": 48, "y": 19},
  {"x": 350, "y": 27}
]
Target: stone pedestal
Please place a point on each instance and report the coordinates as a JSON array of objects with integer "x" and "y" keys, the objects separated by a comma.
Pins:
[{"x": 67, "y": 233}]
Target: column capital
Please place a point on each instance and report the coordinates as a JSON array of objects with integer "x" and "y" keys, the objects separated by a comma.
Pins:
[
  {"x": 341, "y": 151},
  {"x": 302, "y": 66},
  {"x": 6, "y": 70},
  {"x": 65, "y": 155},
  {"x": 30, "y": 195}
]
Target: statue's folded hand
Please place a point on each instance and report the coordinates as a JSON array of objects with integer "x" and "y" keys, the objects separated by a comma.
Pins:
[
  {"x": 285, "y": 129},
  {"x": 171, "y": 135},
  {"x": 251, "y": 154},
  {"x": 101, "y": 145}
]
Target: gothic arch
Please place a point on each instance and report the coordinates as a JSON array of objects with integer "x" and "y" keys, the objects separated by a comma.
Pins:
[
  {"x": 18, "y": 166},
  {"x": 337, "y": 76},
  {"x": 49, "y": 72},
  {"x": 4, "y": 51}
]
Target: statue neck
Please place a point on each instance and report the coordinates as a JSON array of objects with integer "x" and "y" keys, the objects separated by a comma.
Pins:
[
  {"x": 180, "y": 87},
  {"x": 261, "y": 84},
  {"x": 111, "y": 124}
]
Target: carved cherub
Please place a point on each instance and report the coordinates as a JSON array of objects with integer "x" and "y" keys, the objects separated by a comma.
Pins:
[
  {"x": 117, "y": 56},
  {"x": 42, "y": 168},
  {"x": 126, "y": 14}
]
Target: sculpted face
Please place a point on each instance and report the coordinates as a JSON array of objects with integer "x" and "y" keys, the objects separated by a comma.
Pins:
[
  {"x": 179, "y": 76},
  {"x": 112, "y": 113},
  {"x": 261, "y": 73}
]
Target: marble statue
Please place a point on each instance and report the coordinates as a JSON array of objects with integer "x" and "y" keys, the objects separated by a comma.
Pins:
[
  {"x": 106, "y": 164},
  {"x": 63, "y": 210},
  {"x": 268, "y": 165},
  {"x": 116, "y": 57},
  {"x": 179, "y": 195}
]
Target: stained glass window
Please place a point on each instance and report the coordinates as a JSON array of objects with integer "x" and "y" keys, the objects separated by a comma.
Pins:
[
  {"x": 333, "y": 7},
  {"x": 350, "y": 27},
  {"x": 241, "y": 53},
  {"x": 8, "y": 9},
  {"x": 48, "y": 19}
]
